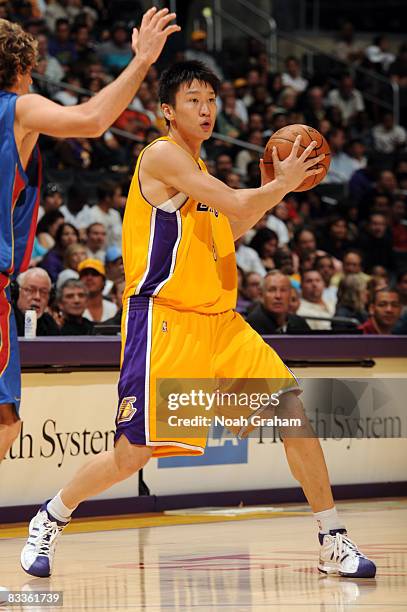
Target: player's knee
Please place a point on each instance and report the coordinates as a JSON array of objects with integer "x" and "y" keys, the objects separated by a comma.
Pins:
[
  {"x": 133, "y": 460},
  {"x": 9, "y": 432},
  {"x": 291, "y": 410}
]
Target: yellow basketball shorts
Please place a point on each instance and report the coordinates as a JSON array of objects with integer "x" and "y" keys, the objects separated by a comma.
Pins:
[{"x": 159, "y": 342}]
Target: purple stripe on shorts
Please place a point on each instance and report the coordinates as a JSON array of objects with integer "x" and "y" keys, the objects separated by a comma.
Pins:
[
  {"x": 164, "y": 240},
  {"x": 133, "y": 374}
]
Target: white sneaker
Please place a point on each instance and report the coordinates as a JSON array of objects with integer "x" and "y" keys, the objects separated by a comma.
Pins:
[
  {"x": 37, "y": 555},
  {"x": 340, "y": 556}
]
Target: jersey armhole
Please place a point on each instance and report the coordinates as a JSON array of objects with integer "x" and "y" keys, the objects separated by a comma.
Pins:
[{"x": 168, "y": 205}]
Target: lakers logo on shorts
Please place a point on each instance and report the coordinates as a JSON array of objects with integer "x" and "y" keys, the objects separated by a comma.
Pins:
[{"x": 126, "y": 410}]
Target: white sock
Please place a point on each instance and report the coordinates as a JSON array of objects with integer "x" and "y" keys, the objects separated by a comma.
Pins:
[
  {"x": 328, "y": 519},
  {"x": 57, "y": 508}
]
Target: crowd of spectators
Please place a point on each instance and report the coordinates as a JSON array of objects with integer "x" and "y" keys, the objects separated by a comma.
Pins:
[{"x": 336, "y": 252}]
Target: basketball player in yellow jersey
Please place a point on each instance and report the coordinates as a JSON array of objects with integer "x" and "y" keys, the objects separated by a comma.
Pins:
[{"x": 178, "y": 318}]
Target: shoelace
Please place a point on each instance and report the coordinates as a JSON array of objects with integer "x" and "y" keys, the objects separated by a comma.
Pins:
[
  {"x": 342, "y": 542},
  {"x": 45, "y": 537}
]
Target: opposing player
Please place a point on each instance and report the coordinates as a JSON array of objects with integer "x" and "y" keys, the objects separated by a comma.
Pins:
[
  {"x": 178, "y": 247},
  {"x": 23, "y": 117}
]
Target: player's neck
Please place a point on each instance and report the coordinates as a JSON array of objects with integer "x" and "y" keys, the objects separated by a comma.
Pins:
[
  {"x": 15, "y": 89},
  {"x": 193, "y": 147}
]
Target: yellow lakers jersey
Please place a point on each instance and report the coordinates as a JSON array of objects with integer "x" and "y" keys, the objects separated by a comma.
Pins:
[{"x": 181, "y": 252}]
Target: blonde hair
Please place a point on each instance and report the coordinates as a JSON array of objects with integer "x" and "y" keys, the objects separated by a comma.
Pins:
[
  {"x": 350, "y": 292},
  {"x": 18, "y": 52},
  {"x": 71, "y": 249}
]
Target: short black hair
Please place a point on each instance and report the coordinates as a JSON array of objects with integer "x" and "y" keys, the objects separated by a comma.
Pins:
[{"x": 185, "y": 72}]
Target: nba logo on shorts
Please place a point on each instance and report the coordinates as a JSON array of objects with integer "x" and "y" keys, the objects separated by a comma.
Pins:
[
  {"x": 164, "y": 327},
  {"x": 126, "y": 409}
]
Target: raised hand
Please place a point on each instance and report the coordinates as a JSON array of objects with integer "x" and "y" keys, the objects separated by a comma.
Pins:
[
  {"x": 148, "y": 41},
  {"x": 293, "y": 170}
]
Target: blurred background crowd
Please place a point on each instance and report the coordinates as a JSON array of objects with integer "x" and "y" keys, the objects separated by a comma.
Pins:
[{"x": 333, "y": 259}]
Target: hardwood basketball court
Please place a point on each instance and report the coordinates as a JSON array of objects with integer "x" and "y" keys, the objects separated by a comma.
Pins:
[{"x": 194, "y": 562}]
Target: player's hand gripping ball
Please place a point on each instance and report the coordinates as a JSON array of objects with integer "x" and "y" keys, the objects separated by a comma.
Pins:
[{"x": 284, "y": 139}]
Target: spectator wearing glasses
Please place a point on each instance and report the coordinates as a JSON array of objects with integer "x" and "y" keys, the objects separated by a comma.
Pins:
[{"x": 34, "y": 292}]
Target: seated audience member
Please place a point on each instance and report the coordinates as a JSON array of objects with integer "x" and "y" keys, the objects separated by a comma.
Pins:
[
  {"x": 375, "y": 283},
  {"x": 325, "y": 266},
  {"x": 116, "y": 52},
  {"x": 34, "y": 292},
  {"x": 265, "y": 243},
  {"x": 376, "y": 243},
  {"x": 117, "y": 298},
  {"x": 384, "y": 311},
  {"x": 347, "y": 99},
  {"x": 76, "y": 210},
  {"x": 284, "y": 261},
  {"x": 312, "y": 303},
  {"x": 272, "y": 316},
  {"x": 292, "y": 76},
  {"x": 74, "y": 254},
  {"x": 241, "y": 302},
  {"x": 47, "y": 228},
  {"x": 277, "y": 221},
  {"x": 399, "y": 228},
  {"x": 402, "y": 289},
  {"x": 334, "y": 239},
  {"x": 104, "y": 212},
  {"x": 114, "y": 268},
  {"x": 93, "y": 275},
  {"x": 401, "y": 325},
  {"x": 96, "y": 241},
  {"x": 66, "y": 235},
  {"x": 72, "y": 300},
  {"x": 232, "y": 180},
  {"x": 305, "y": 247},
  {"x": 388, "y": 138},
  {"x": 52, "y": 199},
  {"x": 250, "y": 292},
  {"x": 295, "y": 300},
  {"x": 352, "y": 295},
  {"x": 342, "y": 166},
  {"x": 247, "y": 259},
  {"x": 380, "y": 272}
]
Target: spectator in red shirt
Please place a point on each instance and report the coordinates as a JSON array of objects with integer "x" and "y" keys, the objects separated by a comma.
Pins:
[{"x": 384, "y": 310}]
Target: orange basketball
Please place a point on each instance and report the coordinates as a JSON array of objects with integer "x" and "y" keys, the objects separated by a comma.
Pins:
[{"x": 284, "y": 139}]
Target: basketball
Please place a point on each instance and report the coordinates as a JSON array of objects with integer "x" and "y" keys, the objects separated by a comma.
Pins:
[{"x": 284, "y": 139}]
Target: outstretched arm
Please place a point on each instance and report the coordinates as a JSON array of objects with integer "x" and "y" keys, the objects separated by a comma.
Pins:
[
  {"x": 172, "y": 166},
  {"x": 34, "y": 113}
]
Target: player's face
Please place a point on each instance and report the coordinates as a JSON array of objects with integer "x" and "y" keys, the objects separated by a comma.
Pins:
[{"x": 194, "y": 113}]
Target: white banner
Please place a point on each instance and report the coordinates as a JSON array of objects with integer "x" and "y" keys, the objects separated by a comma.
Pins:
[{"x": 69, "y": 418}]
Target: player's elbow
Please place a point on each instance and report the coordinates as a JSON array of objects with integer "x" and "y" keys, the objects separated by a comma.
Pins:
[{"x": 95, "y": 126}]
